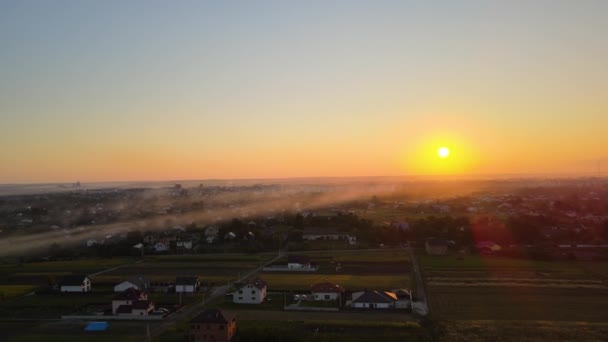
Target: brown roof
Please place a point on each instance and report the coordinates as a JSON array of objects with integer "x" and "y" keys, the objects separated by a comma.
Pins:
[
  {"x": 257, "y": 282},
  {"x": 213, "y": 316},
  {"x": 327, "y": 287},
  {"x": 124, "y": 309},
  {"x": 142, "y": 304}
]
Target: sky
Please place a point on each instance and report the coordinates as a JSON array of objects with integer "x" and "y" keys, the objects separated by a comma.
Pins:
[{"x": 161, "y": 90}]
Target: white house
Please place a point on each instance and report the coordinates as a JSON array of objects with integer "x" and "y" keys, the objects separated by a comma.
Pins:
[
  {"x": 75, "y": 283},
  {"x": 161, "y": 246},
  {"x": 298, "y": 261},
  {"x": 187, "y": 284},
  {"x": 374, "y": 300},
  {"x": 211, "y": 234},
  {"x": 254, "y": 292},
  {"x": 127, "y": 299},
  {"x": 184, "y": 244},
  {"x": 134, "y": 283},
  {"x": 326, "y": 291}
]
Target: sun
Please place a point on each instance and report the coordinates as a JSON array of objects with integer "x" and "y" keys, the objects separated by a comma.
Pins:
[{"x": 443, "y": 152}]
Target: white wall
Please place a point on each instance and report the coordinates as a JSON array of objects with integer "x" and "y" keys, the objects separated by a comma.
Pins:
[
  {"x": 185, "y": 288},
  {"x": 249, "y": 295},
  {"x": 125, "y": 285},
  {"x": 321, "y": 295}
]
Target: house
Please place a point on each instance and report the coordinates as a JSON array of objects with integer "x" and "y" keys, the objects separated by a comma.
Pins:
[
  {"x": 326, "y": 291},
  {"x": 253, "y": 292},
  {"x": 312, "y": 234},
  {"x": 127, "y": 299},
  {"x": 212, "y": 325},
  {"x": 183, "y": 244},
  {"x": 374, "y": 300},
  {"x": 404, "y": 298},
  {"x": 211, "y": 234},
  {"x": 75, "y": 283},
  {"x": 436, "y": 246},
  {"x": 187, "y": 284},
  {"x": 298, "y": 261},
  {"x": 150, "y": 239},
  {"x": 133, "y": 283},
  {"x": 136, "y": 308},
  {"x": 161, "y": 247}
]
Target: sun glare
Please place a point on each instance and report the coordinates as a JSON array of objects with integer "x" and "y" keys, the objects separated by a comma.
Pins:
[{"x": 443, "y": 152}]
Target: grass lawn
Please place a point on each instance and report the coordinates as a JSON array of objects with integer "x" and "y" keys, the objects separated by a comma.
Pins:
[{"x": 276, "y": 302}]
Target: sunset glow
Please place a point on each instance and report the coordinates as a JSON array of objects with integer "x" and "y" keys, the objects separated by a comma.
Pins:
[
  {"x": 222, "y": 93},
  {"x": 443, "y": 152}
]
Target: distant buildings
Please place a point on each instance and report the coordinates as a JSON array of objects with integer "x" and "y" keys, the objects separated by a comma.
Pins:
[
  {"x": 313, "y": 234},
  {"x": 326, "y": 291},
  {"x": 133, "y": 283},
  {"x": 298, "y": 261}
]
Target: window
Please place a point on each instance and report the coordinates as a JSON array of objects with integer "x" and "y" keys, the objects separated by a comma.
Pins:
[
  {"x": 241, "y": 292},
  {"x": 326, "y": 296},
  {"x": 252, "y": 291},
  {"x": 240, "y": 298}
]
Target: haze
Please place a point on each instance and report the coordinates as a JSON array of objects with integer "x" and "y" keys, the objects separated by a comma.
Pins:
[{"x": 152, "y": 90}]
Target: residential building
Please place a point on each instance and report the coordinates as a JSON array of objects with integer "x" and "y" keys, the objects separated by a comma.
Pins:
[
  {"x": 133, "y": 283},
  {"x": 75, "y": 283},
  {"x": 212, "y": 325},
  {"x": 187, "y": 284},
  {"x": 374, "y": 300},
  {"x": 298, "y": 261},
  {"x": 326, "y": 291},
  {"x": 127, "y": 299},
  {"x": 253, "y": 292}
]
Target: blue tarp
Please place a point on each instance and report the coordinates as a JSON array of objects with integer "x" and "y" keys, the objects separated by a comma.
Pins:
[{"x": 96, "y": 326}]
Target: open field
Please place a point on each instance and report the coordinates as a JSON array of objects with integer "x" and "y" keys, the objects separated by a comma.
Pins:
[
  {"x": 282, "y": 281},
  {"x": 210, "y": 268},
  {"x": 476, "y": 287},
  {"x": 524, "y": 331}
]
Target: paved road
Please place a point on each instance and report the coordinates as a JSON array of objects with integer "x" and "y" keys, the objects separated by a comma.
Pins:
[
  {"x": 421, "y": 306},
  {"x": 219, "y": 291}
]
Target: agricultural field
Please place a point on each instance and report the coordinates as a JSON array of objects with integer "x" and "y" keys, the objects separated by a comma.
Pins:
[
  {"x": 491, "y": 288},
  {"x": 377, "y": 270},
  {"x": 69, "y": 331},
  {"x": 210, "y": 268}
]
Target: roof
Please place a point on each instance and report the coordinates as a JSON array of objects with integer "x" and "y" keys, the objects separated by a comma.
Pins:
[
  {"x": 257, "y": 282},
  {"x": 96, "y": 326},
  {"x": 139, "y": 282},
  {"x": 213, "y": 316},
  {"x": 376, "y": 297},
  {"x": 402, "y": 293},
  {"x": 327, "y": 288},
  {"x": 72, "y": 280},
  {"x": 298, "y": 259},
  {"x": 186, "y": 280}
]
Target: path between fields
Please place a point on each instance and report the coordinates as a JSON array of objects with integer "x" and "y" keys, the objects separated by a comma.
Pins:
[
  {"x": 215, "y": 293},
  {"x": 421, "y": 306},
  {"x": 115, "y": 268}
]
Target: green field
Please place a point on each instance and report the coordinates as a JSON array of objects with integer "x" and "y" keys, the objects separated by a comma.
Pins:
[{"x": 476, "y": 287}]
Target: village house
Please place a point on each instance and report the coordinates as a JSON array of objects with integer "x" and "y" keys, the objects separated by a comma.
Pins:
[
  {"x": 75, "y": 283},
  {"x": 298, "y": 261},
  {"x": 253, "y": 292},
  {"x": 212, "y": 325},
  {"x": 161, "y": 246},
  {"x": 123, "y": 303},
  {"x": 133, "y": 283},
  {"x": 187, "y": 284},
  {"x": 326, "y": 291},
  {"x": 137, "y": 308},
  {"x": 374, "y": 300},
  {"x": 436, "y": 246}
]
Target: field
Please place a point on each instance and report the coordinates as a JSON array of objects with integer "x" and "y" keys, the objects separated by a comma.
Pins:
[
  {"x": 210, "y": 268},
  {"x": 475, "y": 288},
  {"x": 377, "y": 270}
]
